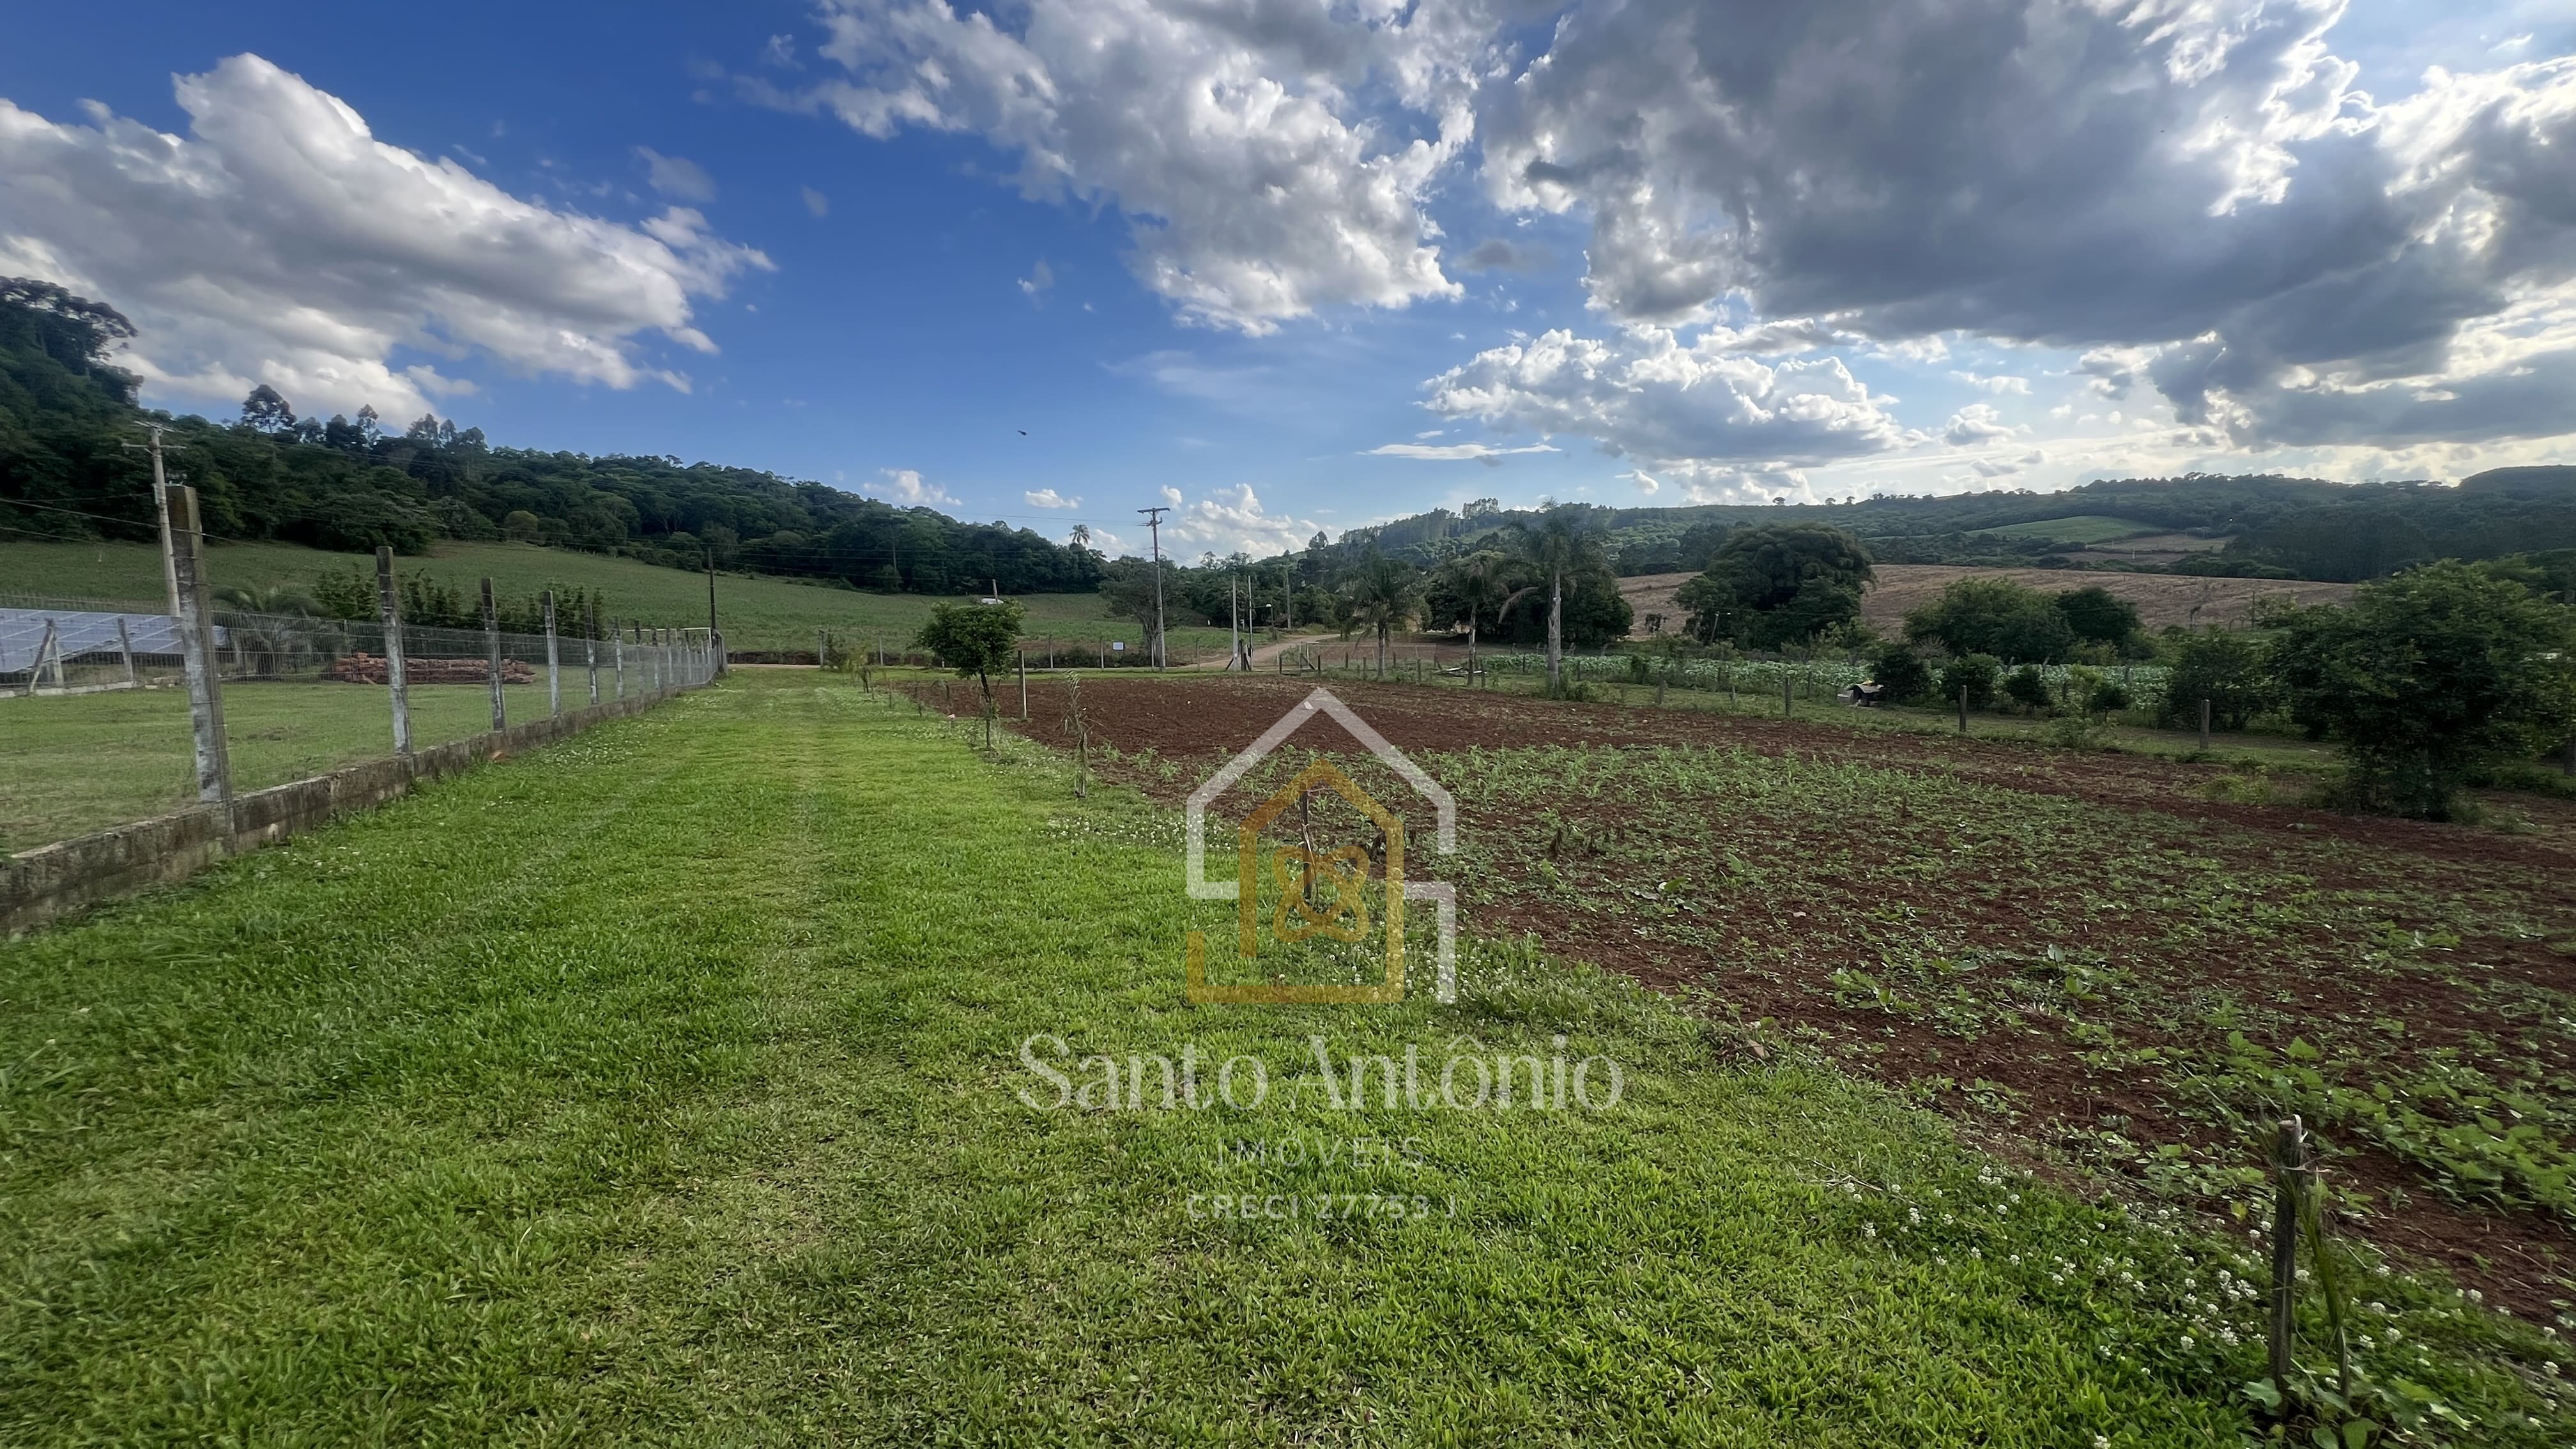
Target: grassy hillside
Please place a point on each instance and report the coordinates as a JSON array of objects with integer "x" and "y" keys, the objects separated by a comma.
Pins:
[
  {"x": 2083, "y": 528},
  {"x": 758, "y": 612}
]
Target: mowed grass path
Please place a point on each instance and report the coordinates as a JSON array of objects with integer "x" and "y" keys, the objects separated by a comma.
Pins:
[{"x": 662, "y": 1086}]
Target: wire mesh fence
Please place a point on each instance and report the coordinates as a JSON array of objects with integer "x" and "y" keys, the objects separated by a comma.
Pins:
[{"x": 97, "y": 729}]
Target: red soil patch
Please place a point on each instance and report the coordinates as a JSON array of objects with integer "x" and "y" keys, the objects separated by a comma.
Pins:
[{"x": 1607, "y": 859}]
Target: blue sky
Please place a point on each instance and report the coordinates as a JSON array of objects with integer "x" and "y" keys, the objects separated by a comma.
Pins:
[{"x": 1510, "y": 245}]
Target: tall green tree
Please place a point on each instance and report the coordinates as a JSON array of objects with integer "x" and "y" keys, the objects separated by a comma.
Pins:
[
  {"x": 1561, "y": 543},
  {"x": 1769, "y": 587},
  {"x": 1994, "y": 616},
  {"x": 2429, "y": 677},
  {"x": 1478, "y": 586},
  {"x": 1381, "y": 596}
]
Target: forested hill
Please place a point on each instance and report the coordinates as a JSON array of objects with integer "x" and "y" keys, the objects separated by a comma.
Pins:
[
  {"x": 2257, "y": 525},
  {"x": 67, "y": 412}
]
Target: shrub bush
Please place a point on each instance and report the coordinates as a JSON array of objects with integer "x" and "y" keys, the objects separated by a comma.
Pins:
[{"x": 1974, "y": 673}]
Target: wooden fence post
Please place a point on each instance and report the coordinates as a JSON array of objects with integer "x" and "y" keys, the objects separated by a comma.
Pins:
[
  {"x": 389, "y": 613},
  {"x": 554, "y": 662},
  {"x": 197, "y": 645}
]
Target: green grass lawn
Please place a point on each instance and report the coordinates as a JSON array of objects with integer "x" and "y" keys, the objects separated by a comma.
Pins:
[
  {"x": 2082, "y": 528},
  {"x": 757, "y": 612},
  {"x": 665, "y": 1085},
  {"x": 86, "y": 762}
]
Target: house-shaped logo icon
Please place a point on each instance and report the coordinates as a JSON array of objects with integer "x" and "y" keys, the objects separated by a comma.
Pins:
[{"x": 1342, "y": 873}]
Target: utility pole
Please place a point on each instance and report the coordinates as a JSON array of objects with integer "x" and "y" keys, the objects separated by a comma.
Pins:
[
  {"x": 161, "y": 506},
  {"x": 1154, "y": 524}
]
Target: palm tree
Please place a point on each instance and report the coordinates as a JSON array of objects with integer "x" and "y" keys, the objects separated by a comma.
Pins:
[
  {"x": 1482, "y": 583},
  {"x": 266, "y": 624},
  {"x": 1384, "y": 595},
  {"x": 1562, "y": 542}
]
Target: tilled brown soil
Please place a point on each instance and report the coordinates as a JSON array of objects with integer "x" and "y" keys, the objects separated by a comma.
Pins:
[{"x": 1772, "y": 955}]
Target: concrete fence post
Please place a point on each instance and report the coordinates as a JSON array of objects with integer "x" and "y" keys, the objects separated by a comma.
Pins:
[
  {"x": 1788, "y": 694},
  {"x": 197, "y": 645},
  {"x": 617, "y": 653},
  {"x": 2204, "y": 724},
  {"x": 1024, "y": 686},
  {"x": 1963, "y": 709},
  {"x": 554, "y": 659},
  {"x": 492, "y": 658},
  {"x": 125, "y": 651},
  {"x": 822, "y": 650},
  {"x": 389, "y": 612},
  {"x": 590, "y": 643},
  {"x": 36, "y": 665}
]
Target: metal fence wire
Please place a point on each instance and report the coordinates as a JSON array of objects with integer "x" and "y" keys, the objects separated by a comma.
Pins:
[{"x": 98, "y": 726}]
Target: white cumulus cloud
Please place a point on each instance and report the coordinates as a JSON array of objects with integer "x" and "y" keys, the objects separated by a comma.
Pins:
[
  {"x": 1231, "y": 519},
  {"x": 1649, "y": 397},
  {"x": 905, "y": 486},
  {"x": 1258, "y": 184},
  {"x": 280, "y": 242},
  {"x": 1049, "y": 498}
]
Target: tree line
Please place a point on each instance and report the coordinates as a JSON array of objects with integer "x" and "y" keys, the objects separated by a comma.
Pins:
[
  {"x": 2273, "y": 526},
  {"x": 67, "y": 412}
]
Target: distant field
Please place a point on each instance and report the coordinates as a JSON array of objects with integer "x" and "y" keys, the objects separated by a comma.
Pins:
[
  {"x": 758, "y": 613},
  {"x": 2082, "y": 528},
  {"x": 2162, "y": 599}
]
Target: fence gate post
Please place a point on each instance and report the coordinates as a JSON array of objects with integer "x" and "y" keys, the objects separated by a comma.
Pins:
[
  {"x": 125, "y": 650},
  {"x": 554, "y": 663},
  {"x": 590, "y": 642},
  {"x": 492, "y": 658},
  {"x": 197, "y": 644},
  {"x": 389, "y": 611}
]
